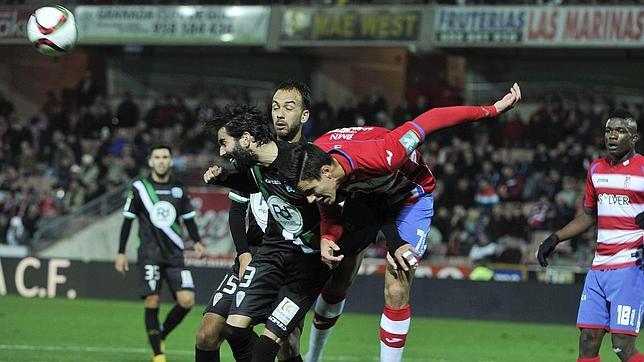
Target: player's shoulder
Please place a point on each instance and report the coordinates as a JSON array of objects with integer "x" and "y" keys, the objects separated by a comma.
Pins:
[{"x": 598, "y": 164}]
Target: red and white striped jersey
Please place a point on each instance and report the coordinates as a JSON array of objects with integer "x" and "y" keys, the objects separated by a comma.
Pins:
[{"x": 617, "y": 192}]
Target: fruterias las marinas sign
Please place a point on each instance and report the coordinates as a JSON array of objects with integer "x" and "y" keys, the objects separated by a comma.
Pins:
[{"x": 350, "y": 24}]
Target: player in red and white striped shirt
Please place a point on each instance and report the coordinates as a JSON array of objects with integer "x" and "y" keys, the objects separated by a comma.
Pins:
[{"x": 613, "y": 296}]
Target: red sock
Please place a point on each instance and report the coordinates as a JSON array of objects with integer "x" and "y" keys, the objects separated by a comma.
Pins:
[
  {"x": 638, "y": 357},
  {"x": 589, "y": 359}
]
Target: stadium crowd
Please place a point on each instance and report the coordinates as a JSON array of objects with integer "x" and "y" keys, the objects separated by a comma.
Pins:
[{"x": 498, "y": 182}]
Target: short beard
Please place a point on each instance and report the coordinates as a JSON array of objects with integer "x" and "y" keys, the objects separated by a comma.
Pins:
[
  {"x": 243, "y": 157},
  {"x": 290, "y": 133}
]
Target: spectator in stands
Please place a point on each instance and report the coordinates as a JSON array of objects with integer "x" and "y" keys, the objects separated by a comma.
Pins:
[{"x": 86, "y": 90}]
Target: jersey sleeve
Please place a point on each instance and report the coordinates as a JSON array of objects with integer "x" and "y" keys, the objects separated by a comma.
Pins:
[
  {"x": 187, "y": 211},
  {"x": 131, "y": 207},
  {"x": 590, "y": 196},
  {"x": 237, "y": 220},
  {"x": 400, "y": 143},
  {"x": 330, "y": 222}
]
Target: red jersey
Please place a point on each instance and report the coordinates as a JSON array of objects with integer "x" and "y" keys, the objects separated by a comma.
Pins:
[
  {"x": 617, "y": 192},
  {"x": 376, "y": 160}
]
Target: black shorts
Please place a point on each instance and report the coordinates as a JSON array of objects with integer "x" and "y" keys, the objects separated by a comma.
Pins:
[
  {"x": 280, "y": 286},
  {"x": 151, "y": 275},
  {"x": 221, "y": 299}
]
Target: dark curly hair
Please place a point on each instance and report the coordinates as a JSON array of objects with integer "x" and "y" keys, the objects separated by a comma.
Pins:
[{"x": 240, "y": 118}]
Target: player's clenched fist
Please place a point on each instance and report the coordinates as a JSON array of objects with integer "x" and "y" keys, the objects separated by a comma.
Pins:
[{"x": 212, "y": 173}]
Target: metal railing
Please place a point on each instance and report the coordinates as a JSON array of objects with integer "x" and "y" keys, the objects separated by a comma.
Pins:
[{"x": 54, "y": 229}]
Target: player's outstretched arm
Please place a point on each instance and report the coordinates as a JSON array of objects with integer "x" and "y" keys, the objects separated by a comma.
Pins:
[
  {"x": 444, "y": 117},
  {"x": 577, "y": 226}
]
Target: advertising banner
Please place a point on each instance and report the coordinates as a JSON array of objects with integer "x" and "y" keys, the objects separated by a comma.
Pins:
[
  {"x": 211, "y": 205},
  {"x": 167, "y": 25},
  {"x": 13, "y": 25},
  {"x": 551, "y": 26},
  {"x": 350, "y": 24}
]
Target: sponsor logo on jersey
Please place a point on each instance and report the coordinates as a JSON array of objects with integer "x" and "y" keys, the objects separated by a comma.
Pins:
[
  {"x": 341, "y": 136},
  {"x": 409, "y": 141},
  {"x": 163, "y": 214},
  {"x": 602, "y": 179},
  {"x": 351, "y": 129},
  {"x": 277, "y": 323},
  {"x": 177, "y": 192},
  {"x": 285, "y": 214},
  {"x": 390, "y": 155},
  {"x": 285, "y": 312},
  {"x": 613, "y": 200}
]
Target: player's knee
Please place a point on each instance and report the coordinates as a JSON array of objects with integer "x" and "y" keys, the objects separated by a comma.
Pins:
[
  {"x": 396, "y": 294},
  {"x": 186, "y": 301},
  {"x": 290, "y": 349},
  {"x": 590, "y": 341},
  {"x": 208, "y": 338},
  {"x": 152, "y": 301},
  {"x": 232, "y": 333}
]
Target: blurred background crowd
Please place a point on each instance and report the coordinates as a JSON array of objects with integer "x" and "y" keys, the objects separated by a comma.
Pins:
[{"x": 498, "y": 189}]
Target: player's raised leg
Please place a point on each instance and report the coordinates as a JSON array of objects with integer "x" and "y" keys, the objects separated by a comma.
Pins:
[{"x": 330, "y": 304}]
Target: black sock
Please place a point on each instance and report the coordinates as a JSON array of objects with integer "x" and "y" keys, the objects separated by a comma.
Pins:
[
  {"x": 298, "y": 358},
  {"x": 265, "y": 350},
  {"x": 172, "y": 320},
  {"x": 152, "y": 326},
  {"x": 206, "y": 356},
  {"x": 241, "y": 341}
]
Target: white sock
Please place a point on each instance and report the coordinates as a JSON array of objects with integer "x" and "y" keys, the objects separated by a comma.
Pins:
[
  {"x": 394, "y": 325},
  {"x": 326, "y": 314}
]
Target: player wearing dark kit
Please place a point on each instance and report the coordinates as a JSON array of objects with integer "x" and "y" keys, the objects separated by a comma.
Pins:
[
  {"x": 246, "y": 242},
  {"x": 159, "y": 202},
  {"x": 286, "y": 273}
]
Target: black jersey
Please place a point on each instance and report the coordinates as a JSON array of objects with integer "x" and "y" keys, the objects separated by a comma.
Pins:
[
  {"x": 257, "y": 215},
  {"x": 158, "y": 207},
  {"x": 291, "y": 217}
]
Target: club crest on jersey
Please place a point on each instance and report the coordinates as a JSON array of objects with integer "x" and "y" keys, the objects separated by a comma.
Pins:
[
  {"x": 410, "y": 141},
  {"x": 217, "y": 297},
  {"x": 627, "y": 181},
  {"x": 285, "y": 214},
  {"x": 177, "y": 192},
  {"x": 163, "y": 214}
]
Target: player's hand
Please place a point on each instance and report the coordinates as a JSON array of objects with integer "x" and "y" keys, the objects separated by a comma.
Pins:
[
  {"x": 120, "y": 264},
  {"x": 639, "y": 220},
  {"x": 327, "y": 250},
  {"x": 509, "y": 100},
  {"x": 546, "y": 248},
  {"x": 212, "y": 173},
  {"x": 406, "y": 256},
  {"x": 200, "y": 249},
  {"x": 244, "y": 260}
]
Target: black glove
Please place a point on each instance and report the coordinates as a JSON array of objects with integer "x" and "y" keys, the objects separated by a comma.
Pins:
[
  {"x": 545, "y": 248},
  {"x": 639, "y": 220}
]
